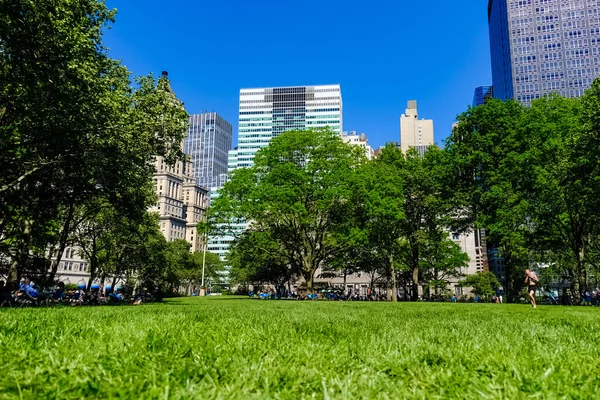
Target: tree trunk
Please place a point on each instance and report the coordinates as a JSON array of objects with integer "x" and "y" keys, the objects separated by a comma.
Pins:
[
  {"x": 345, "y": 276},
  {"x": 20, "y": 257},
  {"x": 582, "y": 270},
  {"x": 393, "y": 277},
  {"x": 309, "y": 283},
  {"x": 93, "y": 264},
  {"x": 509, "y": 288},
  {"x": 415, "y": 285},
  {"x": 64, "y": 237},
  {"x": 308, "y": 272},
  {"x": 415, "y": 271}
]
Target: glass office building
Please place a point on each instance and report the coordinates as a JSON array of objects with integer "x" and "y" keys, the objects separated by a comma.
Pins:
[
  {"x": 267, "y": 112},
  {"x": 543, "y": 46},
  {"x": 482, "y": 94},
  {"x": 208, "y": 143}
]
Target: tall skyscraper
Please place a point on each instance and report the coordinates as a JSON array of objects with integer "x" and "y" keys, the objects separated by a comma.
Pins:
[
  {"x": 482, "y": 94},
  {"x": 208, "y": 144},
  {"x": 543, "y": 46},
  {"x": 415, "y": 132},
  {"x": 268, "y": 112}
]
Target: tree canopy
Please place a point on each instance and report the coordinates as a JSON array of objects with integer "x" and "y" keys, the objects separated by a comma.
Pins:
[{"x": 78, "y": 133}]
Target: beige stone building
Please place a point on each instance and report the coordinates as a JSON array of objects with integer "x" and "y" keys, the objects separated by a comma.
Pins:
[
  {"x": 415, "y": 132},
  {"x": 181, "y": 203}
]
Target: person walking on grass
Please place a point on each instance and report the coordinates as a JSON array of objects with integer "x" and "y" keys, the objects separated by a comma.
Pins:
[{"x": 531, "y": 279}]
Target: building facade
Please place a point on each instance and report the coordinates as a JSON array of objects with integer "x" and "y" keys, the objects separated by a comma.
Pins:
[
  {"x": 73, "y": 267},
  {"x": 361, "y": 140},
  {"x": 415, "y": 132},
  {"x": 207, "y": 144},
  {"x": 482, "y": 94},
  {"x": 473, "y": 243},
  {"x": 543, "y": 46},
  {"x": 181, "y": 202},
  {"x": 267, "y": 112}
]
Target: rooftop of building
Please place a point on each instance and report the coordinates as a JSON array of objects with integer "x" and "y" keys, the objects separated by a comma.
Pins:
[{"x": 334, "y": 85}]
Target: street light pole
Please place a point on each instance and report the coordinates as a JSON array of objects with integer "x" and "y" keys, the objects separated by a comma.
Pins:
[{"x": 204, "y": 259}]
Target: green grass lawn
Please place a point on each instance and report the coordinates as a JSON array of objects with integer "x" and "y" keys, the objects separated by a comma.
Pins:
[{"x": 234, "y": 348}]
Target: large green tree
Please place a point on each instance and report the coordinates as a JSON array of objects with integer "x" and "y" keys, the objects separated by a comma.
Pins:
[
  {"x": 441, "y": 261},
  {"x": 73, "y": 126},
  {"x": 565, "y": 217},
  {"x": 490, "y": 175},
  {"x": 427, "y": 208},
  {"x": 298, "y": 191},
  {"x": 378, "y": 219},
  {"x": 257, "y": 258}
]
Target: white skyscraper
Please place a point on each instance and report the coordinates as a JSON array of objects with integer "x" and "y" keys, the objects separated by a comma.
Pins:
[{"x": 268, "y": 112}]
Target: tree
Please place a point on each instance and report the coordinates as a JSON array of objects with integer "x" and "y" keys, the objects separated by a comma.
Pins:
[
  {"x": 483, "y": 283},
  {"x": 297, "y": 191},
  {"x": 379, "y": 217},
  {"x": 257, "y": 258},
  {"x": 490, "y": 174},
  {"x": 441, "y": 260},
  {"x": 72, "y": 128},
  {"x": 531, "y": 179},
  {"x": 427, "y": 207},
  {"x": 191, "y": 276},
  {"x": 564, "y": 198}
]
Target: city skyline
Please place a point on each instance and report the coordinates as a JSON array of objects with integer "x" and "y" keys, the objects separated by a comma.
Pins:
[{"x": 362, "y": 51}]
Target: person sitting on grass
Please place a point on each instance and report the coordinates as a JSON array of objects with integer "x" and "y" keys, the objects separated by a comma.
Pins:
[{"x": 531, "y": 280}]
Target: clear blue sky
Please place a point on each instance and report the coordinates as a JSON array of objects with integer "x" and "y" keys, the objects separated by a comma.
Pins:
[{"x": 382, "y": 53}]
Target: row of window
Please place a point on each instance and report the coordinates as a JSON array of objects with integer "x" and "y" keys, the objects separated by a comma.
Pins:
[
  {"x": 551, "y": 66},
  {"x": 553, "y": 75},
  {"x": 579, "y": 73},
  {"x": 526, "y": 98},
  {"x": 255, "y": 112},
  {"x": 522, "y": 69},
  {"x": 292, "y": 90},
  {"x": 298, "y": 111},
  {"x": 70, "y": 266},
  {"x": 578, "y": 63},
  {"x": 571, "y": 83},
  {"x": 321, "y": 116},
  {"x": 300, "y": 99}
]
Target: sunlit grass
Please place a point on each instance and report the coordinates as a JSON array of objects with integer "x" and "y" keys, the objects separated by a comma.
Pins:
[{"x": 239, "y": 348}]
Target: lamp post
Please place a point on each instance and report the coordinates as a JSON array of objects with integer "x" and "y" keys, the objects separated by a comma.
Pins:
[{"x": 202, "y": 288}]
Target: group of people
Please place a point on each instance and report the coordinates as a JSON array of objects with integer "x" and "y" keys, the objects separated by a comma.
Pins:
[{"x": 28, "y": 293}]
